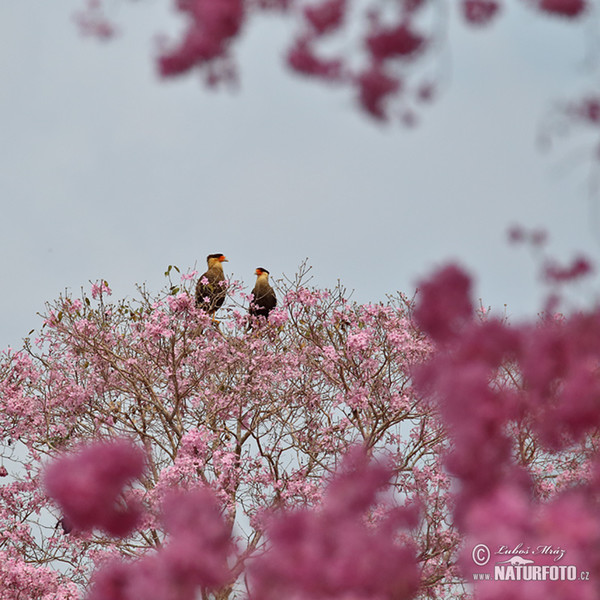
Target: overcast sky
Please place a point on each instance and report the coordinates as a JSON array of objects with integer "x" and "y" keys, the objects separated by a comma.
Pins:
[{"x": 108, "y": 172}]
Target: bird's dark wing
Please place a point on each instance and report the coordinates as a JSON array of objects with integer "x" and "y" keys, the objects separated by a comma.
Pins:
[
  {"x": 263, "y": 301},
  {"x": 211, "y": 295}
]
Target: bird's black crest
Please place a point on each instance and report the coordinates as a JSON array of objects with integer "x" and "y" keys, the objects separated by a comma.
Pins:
[
  {"x": 217, "y": 255},
  {"x": 262, "y": 269}
]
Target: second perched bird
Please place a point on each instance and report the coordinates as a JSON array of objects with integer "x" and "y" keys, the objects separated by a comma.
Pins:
[
  {"x": 263, "y": 296},
  {"x": 210, "y": 289}
]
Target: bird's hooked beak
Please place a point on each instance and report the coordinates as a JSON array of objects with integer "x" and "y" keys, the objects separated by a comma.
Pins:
[{"x": 222, "y": 259}]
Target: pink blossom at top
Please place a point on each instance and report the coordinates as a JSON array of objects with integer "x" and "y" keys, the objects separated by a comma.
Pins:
[
  {"x": 578, "y": 268},
  {"x": 100, "y": 288},
  {"x": 191, "y": 276},
  {"x": 211, "y": 25},
  {"x": 479, "y": 12},
  {"x": 564, "y": 8},
  {"x": 88, "y": 484},
  {"x": 92, "y": 21},
  {"x": 392, "y": 42},
  {"x": 326, "y": 16},
  {"x": 587, "y": 110},
  {"x": 375, "y": 86},
  {"x": 303, "y": 59},
  {"x": 444, "y": 303}
]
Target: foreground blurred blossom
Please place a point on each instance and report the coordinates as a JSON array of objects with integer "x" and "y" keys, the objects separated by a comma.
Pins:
[
  {"x": 88, "y": 486},
  {"x": 193, "y": 557},
  {"x": 444, "y": 303},
  {"x": 333, "y": 552},
  {"x": 507, "y": 394}
]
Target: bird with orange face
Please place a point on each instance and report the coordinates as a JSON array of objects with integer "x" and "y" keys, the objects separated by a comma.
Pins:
[
  {"x": 263, "y": 296},
  {"x": 211, "y": 289}
]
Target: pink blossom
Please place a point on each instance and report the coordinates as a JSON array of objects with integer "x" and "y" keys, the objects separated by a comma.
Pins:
[
  {"x": 559, "y": 365},
  {"x": 564, "y": 8},
  {"x": 587, "y": 110},
  {"x": 534, "y": 237},
  {"x": 479, "y": 12},
  {"x": 444, "y": 303},
  {"x": 20, "y": 579},
  {"x": 211, "y": 26},
  {"x": 375, "y": 86},
  {"x": 399, "y": 41},
  {"x": 191, "y": 276},
  {"x": 91, "y": 21},
  {"x": 358, "y": 342},
  {"x": 326, "y": 16},
  {"x": 194, "y": 555},
  {"x": 100, "y": 288},
  {"x": 578, "y": 268},
  {"x": 303, "y": 59},
  {"x": 333, "y": 553},
  {"x": 182, "y": 302},
  {"x": 88, "y": 484},
  {"x": 200, "y": 542}
]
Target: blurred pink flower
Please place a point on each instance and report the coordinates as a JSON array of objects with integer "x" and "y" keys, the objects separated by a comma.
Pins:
[
  {"x": 326, "y": 16},
  {"x": 374, "y": 87},
  {"x": 564, "y": 8},
  {"x": 88, "y": 486},
  {"x": 333, "y": 552},
  {"x": 479, "y": 12},
  {"x": 444, "y": 303},
  {"x": 194, "y": 555},
  {"x": 392, "y": 42},
  {"x": 302, "y": 58},
  {"x": 211, "y": 26}
]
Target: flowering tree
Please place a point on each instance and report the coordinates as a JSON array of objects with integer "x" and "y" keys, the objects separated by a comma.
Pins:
[
  {"x": 259, "y": 416},
  {"x": 337, "y": 451}
]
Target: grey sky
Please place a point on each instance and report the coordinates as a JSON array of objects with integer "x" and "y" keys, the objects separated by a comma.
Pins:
[{"x": 109, "y": 173}]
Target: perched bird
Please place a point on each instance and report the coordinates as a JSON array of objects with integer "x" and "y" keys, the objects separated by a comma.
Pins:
[
  {"x": 210, "y": 289},
  {"x": 263, "y": 296}
]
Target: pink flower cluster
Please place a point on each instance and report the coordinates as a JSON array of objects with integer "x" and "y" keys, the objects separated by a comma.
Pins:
[
  {"x": 563, "y": 8},
  {"x": 480, "y": 12},
  {"x": 212, "y": 24},
  {"x": 193, "y": 557},
  {"x": 333, "y": 552},
  {"x": 552, "y": 393},
  {"x": 100, "y": 288},
  {"x": 88, "y": 486},
  {"x": 444, "y": 304},
  {"x": 18, "y": 579},
  {"x": 92, "y": 21},
  {"x": 375, "y": 49}
]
